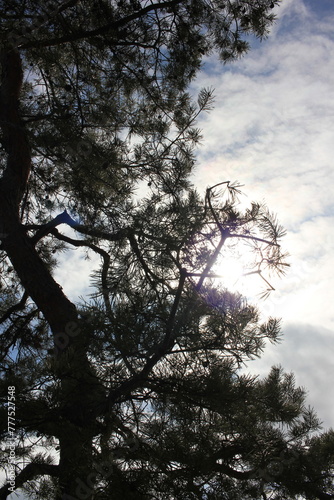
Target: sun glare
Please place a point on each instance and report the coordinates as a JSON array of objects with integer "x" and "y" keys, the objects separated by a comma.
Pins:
[{"x": 235, "y": 272}]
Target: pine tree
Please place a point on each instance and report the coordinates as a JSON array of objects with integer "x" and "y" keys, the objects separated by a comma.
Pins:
[{"x": 136, "y": 391}]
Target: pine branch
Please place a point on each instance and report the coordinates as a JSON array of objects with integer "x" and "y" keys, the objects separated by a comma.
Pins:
[
  {"x": 65, "y": 218},
  {"x": 103, "y": 30},
  {"x": 105, "y": 256},
  {"x": 254, "y": 238},
  {"x": 16, "y": 307},
  {"x": 30, "y": 472}
]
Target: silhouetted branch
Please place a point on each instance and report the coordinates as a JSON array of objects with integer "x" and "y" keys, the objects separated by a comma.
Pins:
[{"x": 30, "y": 472}]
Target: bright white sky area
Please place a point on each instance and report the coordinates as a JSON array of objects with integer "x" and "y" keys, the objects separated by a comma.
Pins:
[{"x": 272, "y": 129}]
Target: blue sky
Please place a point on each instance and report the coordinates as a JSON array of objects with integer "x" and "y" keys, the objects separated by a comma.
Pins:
[{"x": 272, "y": 129}]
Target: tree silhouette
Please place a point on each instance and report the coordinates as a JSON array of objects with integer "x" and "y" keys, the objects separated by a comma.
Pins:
[{"x": 136, "y": 390}]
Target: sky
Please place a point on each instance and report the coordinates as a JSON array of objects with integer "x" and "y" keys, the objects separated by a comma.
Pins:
[{"x": 272, "y": 129}]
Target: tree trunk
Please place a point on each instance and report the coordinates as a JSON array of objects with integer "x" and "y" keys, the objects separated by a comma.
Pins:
[{"x": 75, "y": 429}]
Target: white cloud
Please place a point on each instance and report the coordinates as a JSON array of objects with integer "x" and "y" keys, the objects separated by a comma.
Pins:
[
  {"x": 75, "y": 267},
  {"x": 302, "y": 352},
  {"x": 272, "y": 129}
]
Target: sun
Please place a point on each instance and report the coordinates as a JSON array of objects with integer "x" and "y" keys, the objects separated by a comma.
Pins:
[
  {"x": 236, "y": 272},
  {"x": 229, "y": 271}
]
